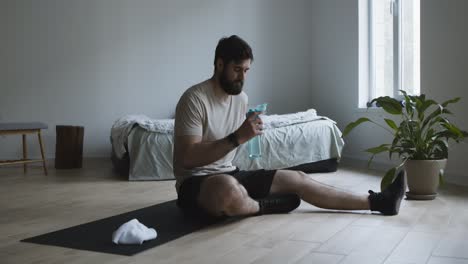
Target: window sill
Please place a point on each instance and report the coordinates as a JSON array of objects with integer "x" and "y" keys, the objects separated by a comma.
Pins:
[{"x": 369, "y": 110}]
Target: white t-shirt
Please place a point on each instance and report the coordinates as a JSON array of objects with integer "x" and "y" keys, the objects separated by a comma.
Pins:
[{"x": 200, "y": 113}]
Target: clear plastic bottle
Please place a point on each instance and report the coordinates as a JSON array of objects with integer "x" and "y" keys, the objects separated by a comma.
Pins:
[{"x": 254, "y": 145}]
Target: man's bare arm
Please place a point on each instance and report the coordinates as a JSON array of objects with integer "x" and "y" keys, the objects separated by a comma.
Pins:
[{"x": 191, "y": 151}]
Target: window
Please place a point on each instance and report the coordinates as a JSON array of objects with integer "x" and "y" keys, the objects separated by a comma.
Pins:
[{"x": 389, "y": 44}]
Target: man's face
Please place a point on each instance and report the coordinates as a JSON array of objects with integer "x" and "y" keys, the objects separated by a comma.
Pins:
[{"x": 233, "y": 75}]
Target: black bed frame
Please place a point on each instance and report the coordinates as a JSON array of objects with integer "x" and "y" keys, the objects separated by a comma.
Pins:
[{"x": 122, "y": 166}]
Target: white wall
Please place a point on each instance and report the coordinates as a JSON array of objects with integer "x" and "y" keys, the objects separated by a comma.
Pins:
[
  {"x": 89, "y": 62},
  {"x": 444, "y": 68},
  {"x": 444, "y": 62}
]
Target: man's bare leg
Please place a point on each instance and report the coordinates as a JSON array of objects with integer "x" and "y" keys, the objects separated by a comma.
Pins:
[
  {"x": 316, "y": 193},
  {"x": 224, "y": 195}
]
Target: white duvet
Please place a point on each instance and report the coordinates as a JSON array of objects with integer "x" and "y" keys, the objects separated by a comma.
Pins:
[{"x": 288, "y": 140}]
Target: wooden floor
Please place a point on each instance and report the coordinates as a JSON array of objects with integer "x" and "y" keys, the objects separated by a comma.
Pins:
[{"x": 433, "y": 232}]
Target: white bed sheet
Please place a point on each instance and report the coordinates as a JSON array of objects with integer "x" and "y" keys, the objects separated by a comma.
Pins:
[{"x": 151, "y": 152}]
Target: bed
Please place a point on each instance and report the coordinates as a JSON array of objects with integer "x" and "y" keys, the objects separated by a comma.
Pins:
[{"x": 142, "y": 148}]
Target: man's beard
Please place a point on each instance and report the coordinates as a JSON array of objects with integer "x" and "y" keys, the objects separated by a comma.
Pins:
[{"x": 230, "y": 87}]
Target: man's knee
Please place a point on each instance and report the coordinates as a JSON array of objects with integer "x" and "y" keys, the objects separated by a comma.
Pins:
[
  {"x": 234, "y": 199},
  {"x": 288, "y": 181},
  {"x": 291, "y": 176},
  {"x": 220, "y": 194}
]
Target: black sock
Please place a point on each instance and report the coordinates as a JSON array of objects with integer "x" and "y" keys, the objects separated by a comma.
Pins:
[{"x": 388, "y": 201}]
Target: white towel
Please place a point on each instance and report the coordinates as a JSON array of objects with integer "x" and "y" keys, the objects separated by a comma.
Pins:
[
  {"x": 275, "y": 121},
  {"x": 133, "y": 232}
]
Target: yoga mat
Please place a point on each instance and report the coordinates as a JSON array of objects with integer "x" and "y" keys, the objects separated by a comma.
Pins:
[{"x": 168, "y": 220}]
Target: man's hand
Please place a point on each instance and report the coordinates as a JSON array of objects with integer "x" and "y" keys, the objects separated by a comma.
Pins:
[
  {"x": 192, "y": 151},
  {"x": 252, "y": 126}
]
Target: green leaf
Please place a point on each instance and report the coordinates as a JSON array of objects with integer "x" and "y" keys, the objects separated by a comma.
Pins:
[
  {"x": 393, "y": 147},
  {"x": 391, "y": 124},
  {"x": 441, "y": 177},
  {"x": 390, "y": 105},
  {"x": 419, "y": 102},
  {"x": 434, "y": 114},
  {"x": 430, "y": 135},
  {"x": 376, "y": 150},
  {"x": 379, "y": 149},
  {"x": 441, "y": 149},
  {"x": 444, "y": 134},
  {"x": 370, "y": 161},
  {"x": 354, "y": 124},
  {"x": 424, "y": 106},
  {"x": 387, "y": 179},
  {"x": 446, "y": 111},
  {"x": 408, "y": 104},
  {"x": 455, "y": 130},
  {"x": 451, "y": 101}
]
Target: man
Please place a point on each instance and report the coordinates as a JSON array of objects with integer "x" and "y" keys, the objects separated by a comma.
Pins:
[{"x": 210, "y": 123}]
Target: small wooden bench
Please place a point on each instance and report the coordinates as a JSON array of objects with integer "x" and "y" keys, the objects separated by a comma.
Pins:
[{"x": 24, "y": 129}]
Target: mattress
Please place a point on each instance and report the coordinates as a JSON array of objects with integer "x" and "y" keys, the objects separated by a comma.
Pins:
[{"x": 150, "y": 153}]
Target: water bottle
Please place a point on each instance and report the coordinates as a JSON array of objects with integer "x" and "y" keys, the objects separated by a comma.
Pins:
[{"x": 254, "y": 145}]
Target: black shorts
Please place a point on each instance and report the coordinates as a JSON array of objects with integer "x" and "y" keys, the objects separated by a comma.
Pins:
[{"x": 257, "y": 183}]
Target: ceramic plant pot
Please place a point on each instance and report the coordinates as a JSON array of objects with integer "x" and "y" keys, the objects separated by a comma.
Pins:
[{"x": 423, "y": 178}]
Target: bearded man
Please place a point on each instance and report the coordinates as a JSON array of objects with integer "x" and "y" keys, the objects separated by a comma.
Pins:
[{"x": 211, "y": 122}]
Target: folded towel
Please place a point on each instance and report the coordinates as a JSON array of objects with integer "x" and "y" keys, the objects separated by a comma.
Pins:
[
  {"x": 133, "y": 232},
  {"x": 275, "y": 121}
]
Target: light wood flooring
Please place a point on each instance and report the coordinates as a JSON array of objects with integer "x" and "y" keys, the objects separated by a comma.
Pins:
[{"x": 434, "y": 232}]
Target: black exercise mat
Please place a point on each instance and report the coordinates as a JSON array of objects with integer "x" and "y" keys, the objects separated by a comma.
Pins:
[{"x": 170, "y": 223}]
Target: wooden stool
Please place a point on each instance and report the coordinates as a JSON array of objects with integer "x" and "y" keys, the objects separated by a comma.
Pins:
[{"x": 24, "y": 129}]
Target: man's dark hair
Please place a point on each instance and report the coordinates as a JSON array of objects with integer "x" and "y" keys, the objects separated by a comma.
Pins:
[{"x": 233, "y": 49}]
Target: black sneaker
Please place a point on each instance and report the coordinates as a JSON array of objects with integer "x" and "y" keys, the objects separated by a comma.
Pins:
[
  {"x": 388, "y": 201},
  {"x": 279, "y": 203}
]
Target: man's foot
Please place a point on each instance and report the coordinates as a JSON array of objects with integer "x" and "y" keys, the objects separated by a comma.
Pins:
[
  {"x": 278, "y": 203},
  {"x": 388, "y": 201}
]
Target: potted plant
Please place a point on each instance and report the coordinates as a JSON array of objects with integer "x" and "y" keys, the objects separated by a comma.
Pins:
[{"x": 420, "y": 138}]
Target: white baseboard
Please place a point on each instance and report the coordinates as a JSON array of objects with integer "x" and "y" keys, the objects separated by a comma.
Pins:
[
  {"x": 453, "y": 178},
  {"x": 362, "y": 163},
  {"x": 456, "y": 179}
]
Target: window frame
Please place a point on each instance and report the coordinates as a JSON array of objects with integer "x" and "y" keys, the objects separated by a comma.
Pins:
[{"x": 367, "y": 71}]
